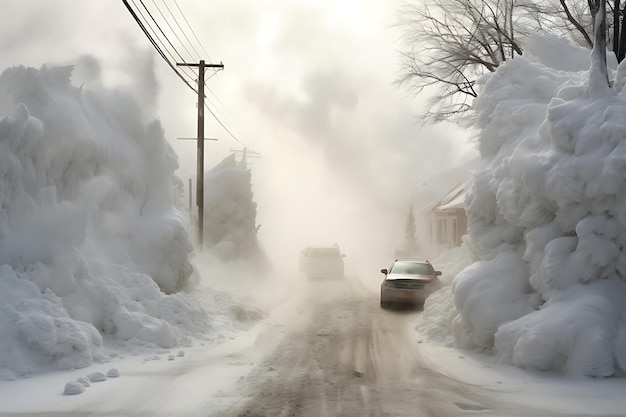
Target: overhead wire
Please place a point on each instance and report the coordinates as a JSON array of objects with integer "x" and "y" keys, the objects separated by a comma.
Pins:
[
  {"x": 162, "y": 49},
  {"x": 190, "y": 43},
  {"x": 192, "y": 31},
  {"x": 183, "y": 32},
  {"x": 160, "y": 30},
  {"x": 156, "y": 46},
  {"x": 179, "y": 40},
  {"x": 232, "y": 135},
  {"x": 171, "y": 29},
  {"x": 157, "y": 39}
]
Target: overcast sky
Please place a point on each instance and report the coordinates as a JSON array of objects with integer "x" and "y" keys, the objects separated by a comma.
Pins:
[{"x": 307, "y": 84}]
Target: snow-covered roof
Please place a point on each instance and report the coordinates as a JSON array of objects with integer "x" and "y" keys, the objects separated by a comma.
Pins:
[
  {"x": 457, "y": 203},
  {"x": 455, "y": 199},
  {"x": 440, "y": 187}
]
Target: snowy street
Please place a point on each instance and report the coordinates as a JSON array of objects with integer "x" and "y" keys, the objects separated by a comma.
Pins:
[
  {"x": 339, "y": 354},
  {"x": 350, "y": 358},
  {"x": 150, "y": 267}
]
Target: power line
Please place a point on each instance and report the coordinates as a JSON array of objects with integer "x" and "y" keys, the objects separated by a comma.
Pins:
[
  {"x": 192, "y": 31},
  {"x": 183, "y": 32},
  {"x": 158, "y": 49},
  {"x": 187, "y": 38},
  {"x": 157, "y": 39},
  {"x": 161, "y": 48},
  {"x": 232, "y": 135},
  {"x": 171, "y": 29},
  {"x": 160, "y": 30}
]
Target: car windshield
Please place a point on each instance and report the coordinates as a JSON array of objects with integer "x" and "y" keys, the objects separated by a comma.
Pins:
[
  {"x": 324, "y": 253},
  {"x": 412, "y": 268}
]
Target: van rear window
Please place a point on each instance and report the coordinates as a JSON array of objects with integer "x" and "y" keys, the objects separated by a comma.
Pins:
[{"x": 324, "y": 252}]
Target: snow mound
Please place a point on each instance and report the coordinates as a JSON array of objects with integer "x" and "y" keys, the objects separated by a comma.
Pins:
[
  {"x": 73, "y": 388},
  {"x": 97, "y": 377},
  {"x": 91, "y": 241},
  {"x": 230, "y": 214},
  {"x": 547, "y": 221}
]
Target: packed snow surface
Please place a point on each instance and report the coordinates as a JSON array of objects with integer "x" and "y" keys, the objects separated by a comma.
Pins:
[{"x": 547, "y": 216}]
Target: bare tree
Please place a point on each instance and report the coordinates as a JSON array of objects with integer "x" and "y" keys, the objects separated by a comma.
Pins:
[
  {"x": 576, "y": 19},
  {"x": 450, "y": 43},
  {"x": 619, "y": 34}
]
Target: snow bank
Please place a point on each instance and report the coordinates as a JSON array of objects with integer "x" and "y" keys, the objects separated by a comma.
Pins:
[
  {"x": 90, "y": 238},
  {"x": 547, "y": 217},
  {"x": 230, "y": 213}
]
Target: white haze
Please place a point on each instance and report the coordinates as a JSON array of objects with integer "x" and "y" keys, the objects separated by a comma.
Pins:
[
  {"x": 93, "y": 229},
  {"x": 329, "y": 111},
  {"x": 335, "y": 137}
]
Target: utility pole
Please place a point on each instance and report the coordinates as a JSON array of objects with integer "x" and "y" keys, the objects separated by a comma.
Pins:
[{"x": 200, "y": 145}]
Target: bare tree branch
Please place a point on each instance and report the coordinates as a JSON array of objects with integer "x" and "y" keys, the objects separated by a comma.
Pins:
[
  {"x": 576, "y": 23},
  {"x": 450, "y": 44}
]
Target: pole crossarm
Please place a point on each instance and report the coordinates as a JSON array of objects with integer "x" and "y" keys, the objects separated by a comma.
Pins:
[
  {"x": 248, "y": 151},
  {"x": 201, "y": 64}
]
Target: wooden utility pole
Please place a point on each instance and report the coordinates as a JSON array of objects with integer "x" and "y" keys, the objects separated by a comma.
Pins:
[{"x": 200, "y": 145}]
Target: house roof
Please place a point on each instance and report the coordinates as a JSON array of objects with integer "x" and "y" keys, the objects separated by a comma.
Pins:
[
  {"x": 447, "y": 186},
  {"x": 455, "y": 199},
  {"x": 457, "y": 203}
]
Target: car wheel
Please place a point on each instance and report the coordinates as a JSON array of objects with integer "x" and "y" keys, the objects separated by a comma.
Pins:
[{"x": 383, "y": 304}]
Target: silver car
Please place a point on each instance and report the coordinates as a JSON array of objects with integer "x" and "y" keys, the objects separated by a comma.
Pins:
[{"x": 408, "y": 282}]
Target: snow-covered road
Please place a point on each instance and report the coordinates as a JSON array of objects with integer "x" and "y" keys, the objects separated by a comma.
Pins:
[
  {"x": 341, "y": 355},
  {"x": 351, "y": 358}
]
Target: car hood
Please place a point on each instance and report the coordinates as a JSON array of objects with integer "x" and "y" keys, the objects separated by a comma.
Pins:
[{"x": 426, "y": 278}]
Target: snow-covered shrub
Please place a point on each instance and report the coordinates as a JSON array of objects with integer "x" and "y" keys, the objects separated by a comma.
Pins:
[
  {"x": 547, "y": 217},
  {"x": 90, "y": 237}
]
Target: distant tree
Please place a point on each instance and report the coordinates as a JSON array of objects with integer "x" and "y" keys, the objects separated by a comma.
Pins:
[{"x": 410, "y": 244}]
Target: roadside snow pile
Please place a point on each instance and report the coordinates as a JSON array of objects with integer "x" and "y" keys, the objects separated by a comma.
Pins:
[
  {"x": 90, "y": 238},
  {"x": 230, "y": 213},
  {"x": 547, "y": 218}
]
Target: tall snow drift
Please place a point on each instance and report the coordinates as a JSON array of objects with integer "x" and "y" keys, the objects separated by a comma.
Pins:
[
  {"x": 230, "y": 213},
  {"x": 90, "y": 239},
  {"x": 547, "y": 217}
]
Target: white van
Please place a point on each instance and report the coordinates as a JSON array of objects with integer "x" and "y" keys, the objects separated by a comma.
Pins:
[{"x": 322, "y": 262}]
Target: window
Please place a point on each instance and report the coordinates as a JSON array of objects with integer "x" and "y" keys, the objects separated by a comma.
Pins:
[
  {"x": 442, "y": 230},
  {"x": 325, "y": 253},
  {"x": 412, "y": 268}
]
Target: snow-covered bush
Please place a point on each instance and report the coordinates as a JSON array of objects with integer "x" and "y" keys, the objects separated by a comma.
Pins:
[
  {"x": 90, "y": 239},
  {"x": 230, "y": 213},
  {"x": 547, "y": 216}
]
